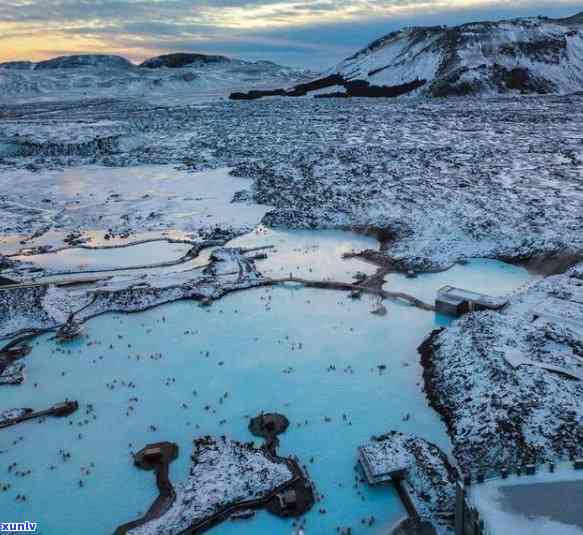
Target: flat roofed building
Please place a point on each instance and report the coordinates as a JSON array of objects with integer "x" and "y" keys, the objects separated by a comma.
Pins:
[
  {"x": 457, "y": 301},
  {"x": 381, "y": 468}
]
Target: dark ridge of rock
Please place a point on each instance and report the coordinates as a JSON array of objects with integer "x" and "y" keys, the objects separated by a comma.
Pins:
[
  {"x": 181, "y": 59},
  {"x": 315, "y": 85},
  {"x": 84, "y": 60},
  {"x": 453, "y": 87},
  {"x": 426, "y": 350},
  {"x": 299, "y": 90},
  {"x": 256, "y": 94},
  {"x": 362, "y": 88},
  {"x": 354, "y": 88}
]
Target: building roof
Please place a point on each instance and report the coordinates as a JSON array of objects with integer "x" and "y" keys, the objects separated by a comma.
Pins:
[
  {"x": 545, "y": 502},
  {"x": 381, "y": 464},
  {"x": 455, "y": 295}
]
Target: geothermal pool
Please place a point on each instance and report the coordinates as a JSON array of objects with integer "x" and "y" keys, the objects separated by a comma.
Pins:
[
  {"x": 308, "y": 254},
  {"x": 83, "y": 259},
  {"x": 338, "y": 372}
]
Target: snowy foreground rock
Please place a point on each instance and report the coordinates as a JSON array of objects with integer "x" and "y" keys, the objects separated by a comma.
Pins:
[
  {"x": 224, "y": 472},
  {"x": 430, "y": 478},
  {"x": 509, "y": 385}
]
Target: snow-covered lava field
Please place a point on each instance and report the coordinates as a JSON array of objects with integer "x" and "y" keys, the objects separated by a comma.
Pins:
[
  {"x": 223, "y": 259},
  {"x": 444, "y": 179}
]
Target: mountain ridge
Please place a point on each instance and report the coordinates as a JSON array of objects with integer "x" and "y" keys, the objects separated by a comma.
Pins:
[
  {"x": 534, "y": 55},
  {"x": 530, "y": 55},
  {"x": 97, "y": 61},
  {"x": 181, "y": 59},
  {"x": 169, "y": 78}
]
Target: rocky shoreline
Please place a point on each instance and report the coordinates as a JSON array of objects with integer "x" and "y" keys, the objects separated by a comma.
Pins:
[{"x": 504, "y": 382}]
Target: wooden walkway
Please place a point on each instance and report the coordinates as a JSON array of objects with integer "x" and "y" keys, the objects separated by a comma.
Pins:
[
  {"x": 166, "y": 493},
  {"x": 348, "y": 286},
  {"x": 59, "y": 410},
  {"x": 58, "y": 282}
]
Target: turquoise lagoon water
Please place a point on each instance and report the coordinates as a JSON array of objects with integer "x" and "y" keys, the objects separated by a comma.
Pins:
[
  {"x": 308, "y": 254},
  {"x": 86, "y": 259},
  {"x": 481, "y": 275},
  {"x": 313, "y": 355}
]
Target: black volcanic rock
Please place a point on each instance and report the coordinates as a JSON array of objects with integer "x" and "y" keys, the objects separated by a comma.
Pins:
[
  {"x": 353, "y": 88},
  {"x": 299, "y": 90},
  {"x": 178, "y": 60},
  {"x": 84, "y": 61}
]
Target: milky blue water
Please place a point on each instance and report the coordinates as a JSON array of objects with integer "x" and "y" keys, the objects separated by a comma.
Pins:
[
  {"x": 270, "y": 350},
  {"x": 308, "y": 254},
  {"x": 479, "y": 275},
  {"x": 86, "y": 259}
]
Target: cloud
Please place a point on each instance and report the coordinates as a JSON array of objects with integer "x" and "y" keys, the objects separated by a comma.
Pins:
[{"x": 316, "y": 33}]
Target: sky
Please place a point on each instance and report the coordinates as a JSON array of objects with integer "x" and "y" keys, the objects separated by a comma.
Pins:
[{"x": 313, "y": 34}]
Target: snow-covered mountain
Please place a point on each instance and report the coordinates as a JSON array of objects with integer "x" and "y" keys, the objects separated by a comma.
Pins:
[
  {"x": 93, "y": 61},
  {"x": 181, "y": 59},
  {"x": 531, "y": 55},
  {"x": 528, "y": 55},
  {"x": 176, "y": 77}
]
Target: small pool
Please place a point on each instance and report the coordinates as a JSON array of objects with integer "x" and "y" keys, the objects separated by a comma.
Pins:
[
  {"x": 308, "y": 254},
  {"x": 79, "y": 259},
  {"x": 481, "y": 275}
]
